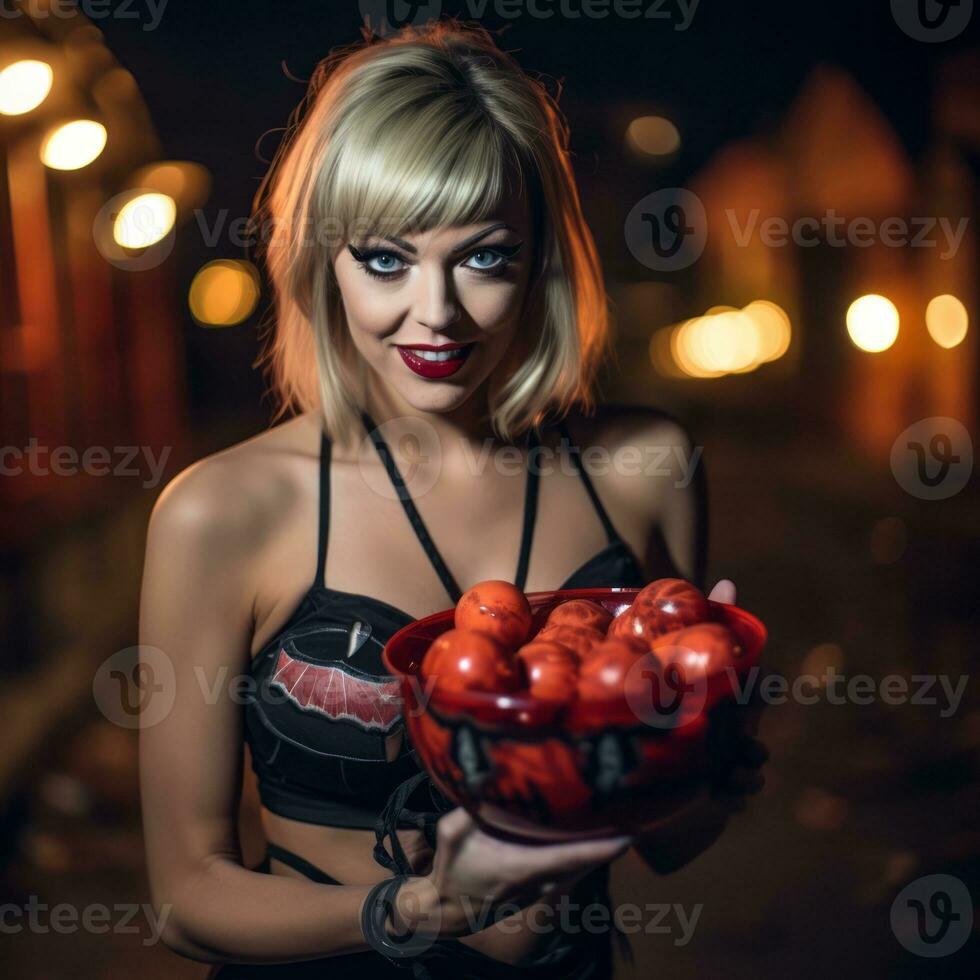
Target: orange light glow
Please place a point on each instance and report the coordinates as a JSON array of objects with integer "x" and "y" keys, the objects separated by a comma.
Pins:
[
  {"x": 224, "y": 292},
  {"x": 24, "y": 85},
  {"x": 725, "y": 340},
  {"x": 947, "y": 320},
  {"x": 653, "y": 136},
  {"x": 73, "y": 145},
  {"x": 872, "y": 323}
]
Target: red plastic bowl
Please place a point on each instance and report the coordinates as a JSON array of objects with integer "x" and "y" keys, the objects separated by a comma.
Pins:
[{"x": 534, "y": 770}]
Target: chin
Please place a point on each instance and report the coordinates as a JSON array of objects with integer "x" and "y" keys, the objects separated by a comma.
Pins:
[{"x": 440, "y": 397}]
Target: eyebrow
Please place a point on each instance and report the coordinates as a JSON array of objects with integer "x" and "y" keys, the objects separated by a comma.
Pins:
[{"x": 462, "y": 246}]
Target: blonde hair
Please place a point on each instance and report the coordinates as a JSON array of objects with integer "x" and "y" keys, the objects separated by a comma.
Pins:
[{"x": 428, "y": 125}]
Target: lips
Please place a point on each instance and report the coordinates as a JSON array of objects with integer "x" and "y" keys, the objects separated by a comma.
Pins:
[{"x": 437, "y": 369}]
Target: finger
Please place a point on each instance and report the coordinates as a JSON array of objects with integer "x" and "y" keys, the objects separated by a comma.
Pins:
[
  {"x": 724, "y": 591},
  {"x": 578, "y": 855},
  {"x": 455, "y": 825}
]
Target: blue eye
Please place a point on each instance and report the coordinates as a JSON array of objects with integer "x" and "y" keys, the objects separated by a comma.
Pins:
[
  {"x": 383, "y": 262},
  {"x": 495, "y": 260},
  {"x": 379, "y": 263}
]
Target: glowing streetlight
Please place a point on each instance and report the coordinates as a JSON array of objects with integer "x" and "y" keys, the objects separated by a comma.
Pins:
[
  {"x": 872, "y": 323},
  {"x": 73, "y": 145},
  {"x": 24, "y": 85}
]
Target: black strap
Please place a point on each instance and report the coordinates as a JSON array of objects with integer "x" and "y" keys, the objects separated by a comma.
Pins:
[
  {"x": 394, "y": 811},
  {"x": 299, "y": 864},
  {"x": 530, "y": 508},
  {"x": 324, "y": 525},
  {"x": 422, "y": 533},
  {"x": 596, "y": 502}
]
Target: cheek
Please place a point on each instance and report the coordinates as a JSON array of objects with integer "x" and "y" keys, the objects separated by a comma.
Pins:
[
  {"x": 369, "y": 309},
  {"x": 493, "y": 307}
]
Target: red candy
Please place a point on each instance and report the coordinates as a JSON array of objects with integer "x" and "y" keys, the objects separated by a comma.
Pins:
[
  {"x": 703, "y": 653},
  {"x": 582, "y": 651},
  {"x": 498, "y": 608},
  {"x": 580, "y": 612},
  {"x": 662, "y": 606},
  {"x": 671, "y": 603},
  {"x": 470, "y": 660},
  {"x": 551, "y": 669},
  {"x": 605, "y": 673},
  {"x": 575, "y": 638}
]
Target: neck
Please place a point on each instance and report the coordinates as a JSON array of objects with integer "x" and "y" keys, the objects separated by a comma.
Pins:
[{"x": 468, "y": 423}]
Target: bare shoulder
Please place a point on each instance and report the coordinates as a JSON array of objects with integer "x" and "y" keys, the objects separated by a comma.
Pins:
[
  {"x": 650, "y": 452},
  {"x": 231, "y": 497}
]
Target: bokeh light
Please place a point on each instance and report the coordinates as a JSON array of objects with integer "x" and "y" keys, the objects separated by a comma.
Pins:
[
  {"x": 773, "y": 326},
  {"x": 653, "y": 136},
  {"x": 224, "y": 292},
  {"x": 946, "y": 320},
  {"x": 24, "y": 85},
  {"x": 144, "y": 220},
  {"x": 872, "y": 323},
  {"x": 73, "y": 145},
  {"x": 189, "y": 184},
  {"x": 725, "y": 340}
]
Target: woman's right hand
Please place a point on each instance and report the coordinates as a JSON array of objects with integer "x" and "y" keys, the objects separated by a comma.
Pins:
[{"x": 473, "y": 873}]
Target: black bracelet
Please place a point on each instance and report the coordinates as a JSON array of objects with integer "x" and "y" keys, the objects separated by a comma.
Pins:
[{"x": 374, "y": 915}]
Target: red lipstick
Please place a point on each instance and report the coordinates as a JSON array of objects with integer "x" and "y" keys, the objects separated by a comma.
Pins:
[{"x": 442, "y": 368}]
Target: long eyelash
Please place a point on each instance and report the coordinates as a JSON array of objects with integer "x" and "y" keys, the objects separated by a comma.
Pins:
[
  {"x": 362, "y": 259},
  {"x": 506, "y": 252}
]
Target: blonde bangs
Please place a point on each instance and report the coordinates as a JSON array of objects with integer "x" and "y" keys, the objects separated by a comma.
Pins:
[{"x": 427, "y": 166}]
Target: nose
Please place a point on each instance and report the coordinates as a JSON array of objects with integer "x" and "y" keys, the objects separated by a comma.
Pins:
[{"x": 435, "y": 304}]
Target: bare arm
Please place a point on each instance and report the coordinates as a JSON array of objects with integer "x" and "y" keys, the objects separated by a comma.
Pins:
[{"x": 196, "y": 608}]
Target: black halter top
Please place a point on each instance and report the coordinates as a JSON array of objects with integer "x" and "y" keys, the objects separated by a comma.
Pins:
[{"x": 323, "y": 704}]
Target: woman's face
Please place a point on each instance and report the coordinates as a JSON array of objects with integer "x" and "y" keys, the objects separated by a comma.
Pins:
[{"x": 450, "y": 286}]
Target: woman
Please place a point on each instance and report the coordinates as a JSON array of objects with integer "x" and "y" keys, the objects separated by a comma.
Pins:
[{"x": 435, "y": 285}]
